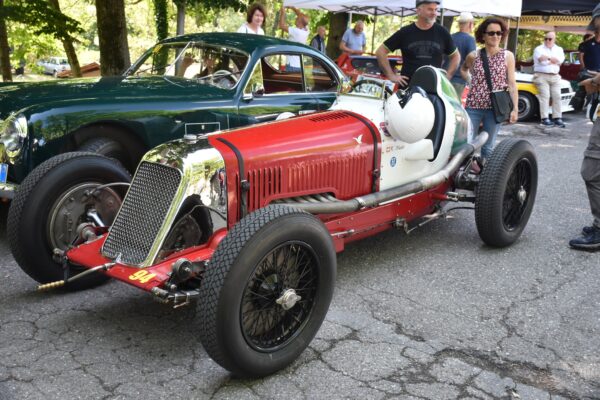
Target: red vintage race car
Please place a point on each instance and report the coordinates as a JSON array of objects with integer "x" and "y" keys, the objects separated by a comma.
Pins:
[{"x": 247, "y": 222}]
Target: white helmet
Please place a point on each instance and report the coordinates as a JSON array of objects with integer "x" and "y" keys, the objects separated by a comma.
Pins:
[{"x": 409, "y": 115}]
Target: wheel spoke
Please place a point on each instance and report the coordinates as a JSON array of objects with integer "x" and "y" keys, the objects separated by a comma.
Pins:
[
  {"x": 266, "y": 324},
  {"x": 514, "y": 205}
]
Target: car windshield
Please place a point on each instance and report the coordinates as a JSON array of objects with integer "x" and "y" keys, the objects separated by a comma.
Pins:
[{"x": 207, "y": 64}]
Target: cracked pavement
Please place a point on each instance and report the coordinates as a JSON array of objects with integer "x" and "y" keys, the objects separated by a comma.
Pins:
[{"x": 430, "y": 315}]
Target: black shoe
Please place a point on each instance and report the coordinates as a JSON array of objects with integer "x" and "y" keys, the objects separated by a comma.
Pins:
[
  {"x": 590, "y": 242},
  {"x": 559, "y": 122},
  {"x": 587, "y": 230},
  {"x": 546, "y": 122}
]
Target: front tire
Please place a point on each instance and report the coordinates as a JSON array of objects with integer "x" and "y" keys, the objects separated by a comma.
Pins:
[
  {"x": 506, "y": 192},
  {"x": 268, "y": 258},
  {"x": 49, "y": 205}
]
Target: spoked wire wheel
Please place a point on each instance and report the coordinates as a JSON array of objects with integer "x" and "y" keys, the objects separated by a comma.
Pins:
[
  {"x": 50, "y": 204},
  {"x": 516, "y": 195},
  {"x": 266, "y": 290},
  {"x": 506, "y": 192},
  {"x": 279, "y": 297}
]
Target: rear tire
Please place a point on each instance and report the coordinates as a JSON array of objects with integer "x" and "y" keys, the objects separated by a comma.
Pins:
[
  {"x": 270, "y": 253},
  {"x": 506, "y": 192},
  {"x": 49, "y": 205},
  {"x": 106, "y": 147}
]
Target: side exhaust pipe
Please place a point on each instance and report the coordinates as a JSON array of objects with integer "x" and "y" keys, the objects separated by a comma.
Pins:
[{"x": 374, "y": 199}]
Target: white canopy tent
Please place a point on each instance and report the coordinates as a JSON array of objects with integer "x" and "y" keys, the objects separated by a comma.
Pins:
[
  {"x": 506, "y": 8},
  {"x": 402, "y": 8}
]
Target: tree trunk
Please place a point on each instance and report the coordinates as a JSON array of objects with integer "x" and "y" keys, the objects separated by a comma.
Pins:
[
  {"x": 180, "y": 17},
  {"x": 338, "y": 24},
  {"x": 68, "y": 46},
  {"x": 112, "y": 34},
  {"x": 4, "y": 50},
  {"x": 161, "y": 19},
  {"x": 448, "y": 20}
]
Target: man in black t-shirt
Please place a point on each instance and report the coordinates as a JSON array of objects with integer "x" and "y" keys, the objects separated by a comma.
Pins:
[{"x": 421, "y": 43}]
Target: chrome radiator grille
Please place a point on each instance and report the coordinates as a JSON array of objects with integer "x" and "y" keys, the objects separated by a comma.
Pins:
[{"x": 142, "y": 213}]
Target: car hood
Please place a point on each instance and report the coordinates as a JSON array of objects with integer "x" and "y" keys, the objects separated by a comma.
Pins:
[{"x": 17, "y": 96}]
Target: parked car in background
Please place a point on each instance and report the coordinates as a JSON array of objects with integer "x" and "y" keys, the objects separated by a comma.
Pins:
[
  {"x": 192, "y": 84},
  {"x": 365, "y": 65},
  {"x": 54, "y": 65},
  {"x": 529, "y": 105}
]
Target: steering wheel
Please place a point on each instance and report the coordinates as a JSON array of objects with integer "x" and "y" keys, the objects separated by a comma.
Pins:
[
  {"x": 224, "y": 78},
  {"x": 369, "y": 85}
]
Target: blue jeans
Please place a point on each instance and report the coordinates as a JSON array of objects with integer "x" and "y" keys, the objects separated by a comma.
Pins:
[{"x": 489, "y": 125}]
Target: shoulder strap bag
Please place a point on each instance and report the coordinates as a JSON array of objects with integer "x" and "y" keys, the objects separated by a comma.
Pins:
[{"x": 502, "y": 104}]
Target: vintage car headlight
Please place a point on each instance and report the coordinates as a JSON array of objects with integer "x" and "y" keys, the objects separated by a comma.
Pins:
[{"x": 13, "y": 132}]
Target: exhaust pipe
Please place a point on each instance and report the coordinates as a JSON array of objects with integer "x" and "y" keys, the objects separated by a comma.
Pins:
[{"x": 374, "y": 199}]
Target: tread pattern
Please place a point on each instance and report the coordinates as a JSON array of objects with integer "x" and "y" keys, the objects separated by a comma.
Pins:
[
  {"x": 18, "y": 206},
  {"x": 96, "y": 144},
  {"x": 220, "y": 263},
  {"x": 490, "y": 190}
]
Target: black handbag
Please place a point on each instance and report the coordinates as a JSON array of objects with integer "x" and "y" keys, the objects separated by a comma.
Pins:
[{"x": 502, "y": 103}]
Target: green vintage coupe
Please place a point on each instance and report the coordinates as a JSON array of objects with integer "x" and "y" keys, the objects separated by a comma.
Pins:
[{"x": 189, "y": 84}]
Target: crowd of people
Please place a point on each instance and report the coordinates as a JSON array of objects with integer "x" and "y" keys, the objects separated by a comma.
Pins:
[{"x": 485, "y": 71}]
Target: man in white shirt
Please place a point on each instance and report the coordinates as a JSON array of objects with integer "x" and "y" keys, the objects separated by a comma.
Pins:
[
  {"x": 298, "y": 33},
  {"x": 546, "y": 65}
]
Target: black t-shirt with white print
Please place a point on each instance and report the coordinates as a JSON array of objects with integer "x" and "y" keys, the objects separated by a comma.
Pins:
[{"x": 421, "y": 47}]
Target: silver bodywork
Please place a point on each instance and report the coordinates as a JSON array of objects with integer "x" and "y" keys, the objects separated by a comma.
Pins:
[{"x": 202, "y": 173}]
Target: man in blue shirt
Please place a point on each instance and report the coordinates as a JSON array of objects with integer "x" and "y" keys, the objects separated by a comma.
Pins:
[
  {"x": 354, "y": 40},
  {"x": 465, "y": 43}
]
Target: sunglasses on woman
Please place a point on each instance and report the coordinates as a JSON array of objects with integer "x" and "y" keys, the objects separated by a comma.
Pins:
[{"x": 492, "y": 33}]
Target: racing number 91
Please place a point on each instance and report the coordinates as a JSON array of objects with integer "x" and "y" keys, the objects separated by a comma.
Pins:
[{"x": 142, "y": 276}]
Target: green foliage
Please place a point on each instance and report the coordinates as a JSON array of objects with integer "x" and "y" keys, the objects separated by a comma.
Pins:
[
  {"x": 42, "y": 17},
  {"x": 530, "y": 39},
  {"x": 161, "y": 17}
]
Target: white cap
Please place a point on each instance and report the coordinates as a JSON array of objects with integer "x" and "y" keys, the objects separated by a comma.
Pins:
[{"x": 465, "y": 17}]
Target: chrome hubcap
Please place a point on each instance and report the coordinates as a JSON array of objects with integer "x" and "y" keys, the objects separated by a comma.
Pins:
[
  {"x": 522, "y": 195},
  {"x": 288, "y": 299}
]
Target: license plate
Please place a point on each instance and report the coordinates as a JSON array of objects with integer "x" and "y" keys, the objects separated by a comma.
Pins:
[{"x": 3, "y": 172}]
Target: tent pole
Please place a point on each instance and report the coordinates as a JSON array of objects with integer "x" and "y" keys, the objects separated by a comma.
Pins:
[
  {"x": 349, "y": 20},
  {"x": 517, "y": 35},
  {"x": 373, "y": 38}
]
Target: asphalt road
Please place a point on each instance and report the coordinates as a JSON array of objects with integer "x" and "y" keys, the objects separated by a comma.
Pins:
[{"x": 432, "y": 315}]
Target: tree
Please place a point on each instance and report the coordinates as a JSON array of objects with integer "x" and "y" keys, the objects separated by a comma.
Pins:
[
  {"x": 112, "y": 35},
  {"x": 161, "y": 19},
  {"x": 338, "y": 24},
  {"x": 4, "y": 49},
  {"x": 42, "y": 16},
  {"x": 204, "y": 6},
  {"x": 67, "y": 42}
]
